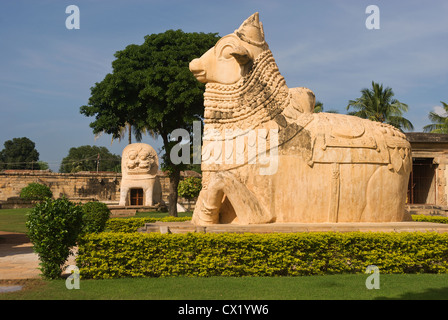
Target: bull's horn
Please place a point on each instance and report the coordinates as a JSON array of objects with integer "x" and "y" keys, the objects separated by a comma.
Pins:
[
  {"x": 251, "y": 31},
  {"x": 241, "y": 55}
]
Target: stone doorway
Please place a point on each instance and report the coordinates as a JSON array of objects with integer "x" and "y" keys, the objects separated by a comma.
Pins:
[
  {"x": 422, "y": 182},
  {"x": 136, "y": 197}
]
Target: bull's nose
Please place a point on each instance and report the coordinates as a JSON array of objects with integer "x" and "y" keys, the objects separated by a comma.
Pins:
[{"x": 197, "y": 70}]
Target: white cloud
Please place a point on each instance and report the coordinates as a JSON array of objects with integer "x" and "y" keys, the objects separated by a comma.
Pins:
[{"x": 440, "y": 111}]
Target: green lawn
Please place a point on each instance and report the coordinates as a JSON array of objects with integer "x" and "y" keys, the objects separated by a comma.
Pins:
[
  {"x": 329, "y": 287},
  {"x": 13, "y": 220}
]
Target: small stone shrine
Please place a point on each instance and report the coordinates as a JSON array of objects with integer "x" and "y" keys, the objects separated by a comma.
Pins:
[{"x": 139, "y": 183}]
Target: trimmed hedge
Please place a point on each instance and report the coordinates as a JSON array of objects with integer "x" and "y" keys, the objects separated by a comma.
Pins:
[
  {"x": 424, "y": 218},
  {"x": 116, "y": 255},
  {"x": 95, "y": 216},
  {"x": 132, "y": 224}
]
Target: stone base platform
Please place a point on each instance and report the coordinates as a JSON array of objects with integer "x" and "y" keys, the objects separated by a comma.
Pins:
[
  {"x": 427, "y": 209},
  {"x": 185, "y": 227},
  {"x": 124, "y": 211}
]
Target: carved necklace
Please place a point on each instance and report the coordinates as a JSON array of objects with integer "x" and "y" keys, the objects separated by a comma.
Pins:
[{"x": 254, "y": 99}]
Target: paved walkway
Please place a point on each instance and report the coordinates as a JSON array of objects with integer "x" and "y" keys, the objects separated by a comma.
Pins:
[{"x": 17, "y": 259}]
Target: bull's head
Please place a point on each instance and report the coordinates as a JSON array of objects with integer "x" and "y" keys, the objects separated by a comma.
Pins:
[{"x": 232, "y": 56}]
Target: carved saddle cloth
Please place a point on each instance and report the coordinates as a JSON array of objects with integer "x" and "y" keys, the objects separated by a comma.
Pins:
[{"x": 348, "y": 139}]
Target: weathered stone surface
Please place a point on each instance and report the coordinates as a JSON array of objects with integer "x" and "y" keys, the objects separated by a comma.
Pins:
[
  {"x": 267, "y": 157},
  {"x": 122, "y": 212},
  {"x": 407, "y": 226},
  {"x": 139, "y": 167},
  {"x": 79, "y": 186}
]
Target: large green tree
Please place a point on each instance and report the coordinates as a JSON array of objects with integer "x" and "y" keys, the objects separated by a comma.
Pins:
[
  {"x": 378, "y": 104},
  {"x": 19, "y": 153},
  {"x": 90, "y": 158},
  {"x": 439, "y": 122},
  {"x": 152, "y": 88}
]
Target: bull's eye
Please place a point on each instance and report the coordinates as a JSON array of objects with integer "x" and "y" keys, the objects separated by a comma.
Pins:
[{"x": 225, "y": 52}]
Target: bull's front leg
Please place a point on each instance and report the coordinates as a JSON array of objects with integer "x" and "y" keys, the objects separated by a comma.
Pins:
[{"x": 209, "y": 203}]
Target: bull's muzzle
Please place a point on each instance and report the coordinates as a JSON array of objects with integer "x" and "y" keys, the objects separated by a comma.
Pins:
[{"x": 197, "y": 69}]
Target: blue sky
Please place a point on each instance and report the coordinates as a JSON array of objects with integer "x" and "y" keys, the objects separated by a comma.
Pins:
[{"x": 47, "y": 70}]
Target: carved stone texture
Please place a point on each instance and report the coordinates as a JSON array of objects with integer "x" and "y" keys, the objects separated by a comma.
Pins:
[
  {"x": 267, "y": 157},
  {"x": 139, "y": 166}
]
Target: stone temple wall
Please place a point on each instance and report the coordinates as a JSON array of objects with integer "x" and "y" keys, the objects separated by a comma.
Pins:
[
  {"x": 77, "y": 186},
  {"x": 81, "y": 186}
]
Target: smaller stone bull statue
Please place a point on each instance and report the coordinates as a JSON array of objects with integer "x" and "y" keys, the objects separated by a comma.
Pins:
[{"x": 328, "y": 167}]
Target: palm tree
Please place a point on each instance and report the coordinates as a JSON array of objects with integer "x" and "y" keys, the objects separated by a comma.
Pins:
[
  {"x": 378, "y": 104},
  {"x": 439, "y": 122},
  {"x": 129, "y": 129}
]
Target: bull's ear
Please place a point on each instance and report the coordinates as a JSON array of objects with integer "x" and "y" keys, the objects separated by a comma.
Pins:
[{"x": 241, "y": 55}]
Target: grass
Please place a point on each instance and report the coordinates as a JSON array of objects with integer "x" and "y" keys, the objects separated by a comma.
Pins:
[
  {"x": 328, "y": 287},
  {"x": 13, "y": 220}
]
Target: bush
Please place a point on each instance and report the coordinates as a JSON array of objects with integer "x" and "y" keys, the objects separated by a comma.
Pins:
[
  {"x": 190, "y": 187},
  {"x": 95, "y": 216},
  {"x": 36, "y": 191},
  {"x": 116, "y": 255},
  {"x": 424, "y": 218},
  {"x": 53, "y": 227}
]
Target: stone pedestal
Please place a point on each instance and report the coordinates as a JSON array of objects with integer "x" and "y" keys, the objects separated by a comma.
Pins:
[{"x": 184, "y": 227}]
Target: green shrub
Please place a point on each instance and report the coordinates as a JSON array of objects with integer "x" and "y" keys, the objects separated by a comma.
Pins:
[
  {"x": 132, "y": 224},
  {"x": 424, "y": 218},
  {"x": 36, "y": 191},
  {"x": 115, "y": 255},
  {"x": 95, "y": 216},
  {"x": 53, "y": 227},
  {"x": 190, "y": 187}
]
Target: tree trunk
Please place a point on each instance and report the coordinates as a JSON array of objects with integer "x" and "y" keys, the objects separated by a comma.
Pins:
[
  {"x": 174, "y": 175},
  {"x": 172, "y": 197},
  {"x": 130, "y": 133}
]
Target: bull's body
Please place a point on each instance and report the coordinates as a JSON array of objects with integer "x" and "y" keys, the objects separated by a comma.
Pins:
[{"x": 330, "y": 168}]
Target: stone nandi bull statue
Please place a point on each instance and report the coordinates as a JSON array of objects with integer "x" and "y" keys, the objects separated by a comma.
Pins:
[{"x": 324, "y": 168}]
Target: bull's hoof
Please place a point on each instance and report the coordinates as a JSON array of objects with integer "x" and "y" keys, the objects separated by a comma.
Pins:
[{"x": 200, "y": 220}]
